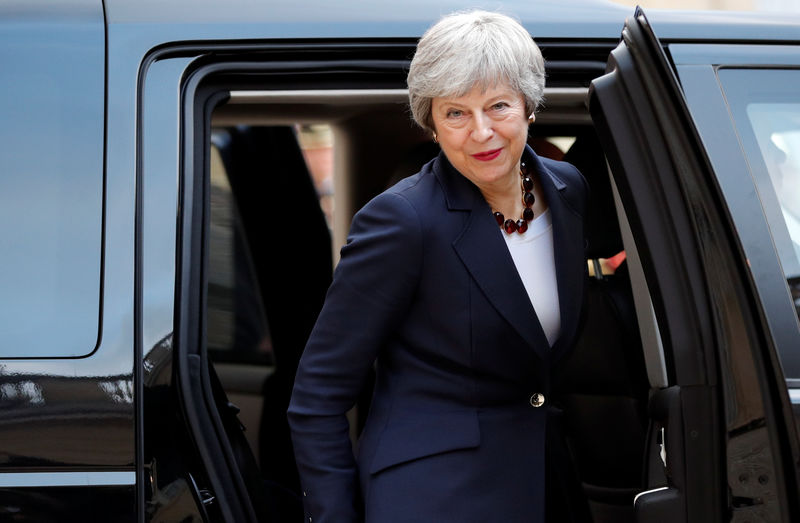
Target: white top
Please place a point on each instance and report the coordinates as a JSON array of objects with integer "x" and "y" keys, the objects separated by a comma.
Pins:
[{"x": 535, "y": 261}]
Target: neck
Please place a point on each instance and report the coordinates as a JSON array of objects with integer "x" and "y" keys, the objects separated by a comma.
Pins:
[{"x": 505, "y": 197}]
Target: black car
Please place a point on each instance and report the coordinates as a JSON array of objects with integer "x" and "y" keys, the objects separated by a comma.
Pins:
[{"x": 168, "y": 233}]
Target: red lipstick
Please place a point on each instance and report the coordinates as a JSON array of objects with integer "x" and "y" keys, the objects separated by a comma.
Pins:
[{"x": 487, "y": 155}]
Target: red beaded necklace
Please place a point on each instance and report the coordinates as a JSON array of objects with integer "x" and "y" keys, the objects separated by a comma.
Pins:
[{"x": 528, "y": 199}]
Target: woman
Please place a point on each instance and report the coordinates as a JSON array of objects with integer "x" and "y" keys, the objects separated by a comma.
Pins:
[{"x": 462, "y": 286}]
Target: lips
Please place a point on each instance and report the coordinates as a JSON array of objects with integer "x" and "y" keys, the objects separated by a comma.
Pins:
[{"x": 485, "y": 156}]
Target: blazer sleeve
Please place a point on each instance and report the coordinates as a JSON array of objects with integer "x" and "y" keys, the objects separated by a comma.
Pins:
[{"x": 372, "y": 288}]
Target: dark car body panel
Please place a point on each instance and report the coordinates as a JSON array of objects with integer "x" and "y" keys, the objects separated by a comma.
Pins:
[
  {"x": 647, "y": 127},
  {"x": 67, "y": 398}
]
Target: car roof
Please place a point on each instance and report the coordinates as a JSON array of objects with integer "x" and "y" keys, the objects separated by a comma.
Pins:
[
  {"x": 724, "y": 26},
  {"x": 551, "y": 19},
  {"x": 159, "y": 21},
  {"x": 377, "y": 18}
]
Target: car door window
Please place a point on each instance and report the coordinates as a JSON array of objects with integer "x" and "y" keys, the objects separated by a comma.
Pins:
[
  {"x": 765, "y": 106},
  {"x": 51, "y": 131},
  {"x": 237, "y": 324}
]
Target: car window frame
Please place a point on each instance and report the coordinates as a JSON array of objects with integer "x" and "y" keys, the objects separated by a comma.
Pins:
[{"x": 206, "y": 84}]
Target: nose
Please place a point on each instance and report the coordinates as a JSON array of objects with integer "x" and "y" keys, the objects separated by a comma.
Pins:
[{"x": 482, "y": 130}]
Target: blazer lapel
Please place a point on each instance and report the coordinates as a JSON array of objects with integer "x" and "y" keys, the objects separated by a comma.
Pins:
[
  {"x": 481, "y": 248},
  {"x": 568, "y": 244}
]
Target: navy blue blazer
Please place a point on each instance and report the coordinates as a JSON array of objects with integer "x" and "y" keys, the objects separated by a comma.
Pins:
[{"x": 427, "y": 292}]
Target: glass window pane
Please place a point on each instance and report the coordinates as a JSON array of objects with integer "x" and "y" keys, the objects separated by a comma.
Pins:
[
  {"x": 316, "y": 142},
  {"x": 237, "y": 325},
  {"x": 766, "y": 108},
  {"x": 51, "y": 184},
  {"x": 777, "y": 130}
]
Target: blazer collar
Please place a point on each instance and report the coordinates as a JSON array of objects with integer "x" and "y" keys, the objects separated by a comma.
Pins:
[
  {"x": 482, "y": 249},
  {"x": 459, "y": 193}
]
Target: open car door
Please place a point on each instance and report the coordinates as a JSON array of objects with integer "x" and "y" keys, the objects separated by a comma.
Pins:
[{"x": 723, "y": 443}]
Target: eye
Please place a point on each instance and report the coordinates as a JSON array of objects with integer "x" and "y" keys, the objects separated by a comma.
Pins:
[
  {"x": 454, "y": 113},
  {"x": 499, "y": 106}
]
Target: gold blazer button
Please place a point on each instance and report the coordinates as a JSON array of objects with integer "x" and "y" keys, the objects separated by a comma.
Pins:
[{"x": 537, "y": 399}]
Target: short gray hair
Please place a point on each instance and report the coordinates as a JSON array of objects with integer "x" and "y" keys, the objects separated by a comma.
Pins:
[{"x": 473, "y": 48}]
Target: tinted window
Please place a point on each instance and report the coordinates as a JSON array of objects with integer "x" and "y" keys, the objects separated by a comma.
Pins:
[
  {"x": 261, "y": 299},
  {"x": 237, "y": 324},
  {"x": 51, "y": 186},
  {"x": 766, "y": 108}
]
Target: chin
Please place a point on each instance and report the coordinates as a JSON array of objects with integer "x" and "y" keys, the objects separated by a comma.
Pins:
[{"x": 495, "y": 175}]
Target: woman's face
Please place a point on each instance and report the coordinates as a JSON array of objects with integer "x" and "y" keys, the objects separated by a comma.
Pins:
[{"x": 483, "y": 133}]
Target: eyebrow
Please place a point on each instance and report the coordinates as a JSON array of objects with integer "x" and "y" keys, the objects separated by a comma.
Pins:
[
  {"x": 447, "y": 103},
  {"x": 452, "y": 103}
]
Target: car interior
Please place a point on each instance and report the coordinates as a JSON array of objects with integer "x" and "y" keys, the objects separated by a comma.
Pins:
[{"x": 286, "y": 171}]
